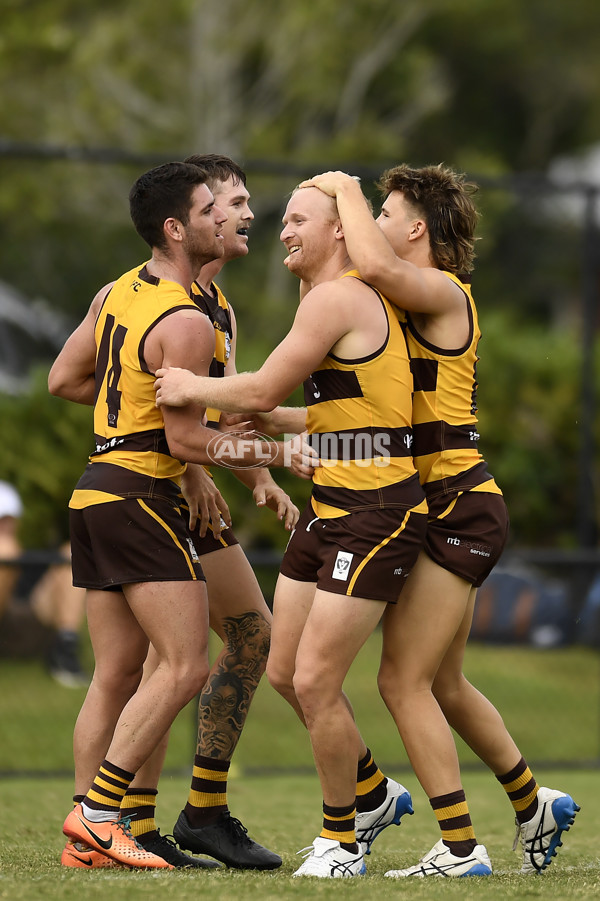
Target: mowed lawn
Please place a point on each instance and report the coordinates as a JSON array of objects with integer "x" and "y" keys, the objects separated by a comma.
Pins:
[{"x": 549, "y": 699}]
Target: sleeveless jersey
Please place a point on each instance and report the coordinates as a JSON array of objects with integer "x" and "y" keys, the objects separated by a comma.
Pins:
[
  {"x": 132, "y": 457},
  {"x": 217, "y": 310},
  {"x": 359, "y": 421},
  {"x": 445, "y": 410}
]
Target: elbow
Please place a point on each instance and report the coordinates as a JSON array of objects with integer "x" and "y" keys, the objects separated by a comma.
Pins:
[
  {"x": 370, "y": 271},
  {"x": 55, "y": 384}
]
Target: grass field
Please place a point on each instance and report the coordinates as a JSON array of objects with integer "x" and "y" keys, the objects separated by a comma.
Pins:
[
  {"x": 550, "y": 700},
  {"x": 284, "y": 813}
]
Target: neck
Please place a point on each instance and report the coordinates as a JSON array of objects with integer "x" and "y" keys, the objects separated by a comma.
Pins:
[
  {"x": 330, "y": 271},
  {"x": 209, "y": 272},
  {"x": 178, "y": 270}
]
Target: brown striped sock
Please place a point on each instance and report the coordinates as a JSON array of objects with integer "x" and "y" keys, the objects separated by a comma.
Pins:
[
  {"x": 522, "y": 789},
  {"x": 370, "y": 784},
  {"x": 452, "y": 814},
  {"x": 140, "y": 805},
  {"x": 339, "y": 825},
  {"x": 207, "y": 799},
  {"x": 107, "y": 791}
]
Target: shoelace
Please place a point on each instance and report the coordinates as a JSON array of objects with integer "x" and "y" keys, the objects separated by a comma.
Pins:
[
  {"x": 124, "y": 824},
  {"x": 237, "y": 829},
  {"x": 309, "y": 850},
  {"x": 519, "y": 837}
]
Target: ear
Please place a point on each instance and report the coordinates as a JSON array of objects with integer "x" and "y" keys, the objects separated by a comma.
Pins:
[
  {"x": 418, "y": 228},
  {"x": 173, "y": 229},
  {"x": 339, "y": 231}
]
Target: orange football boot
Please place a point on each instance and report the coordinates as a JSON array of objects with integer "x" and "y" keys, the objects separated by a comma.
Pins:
[
  {"x": 76, "y": 854},
  {"x": 112, "y": 838}
]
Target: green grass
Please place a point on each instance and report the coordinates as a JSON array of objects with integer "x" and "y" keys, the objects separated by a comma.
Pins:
[
  {"x": 284, "y": 813},
  {"x": 550, "y": 701}
]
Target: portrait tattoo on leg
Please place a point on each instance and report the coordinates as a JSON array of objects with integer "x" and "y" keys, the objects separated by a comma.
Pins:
[{"x": 230, "y": 687}]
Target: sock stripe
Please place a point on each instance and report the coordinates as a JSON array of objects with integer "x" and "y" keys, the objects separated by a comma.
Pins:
[
  {"x": 458, "y": 835},
  {"x": 454, "y": 820},
  {"x": 108, "y": 769},
  {"x": 204, "y": 799},
  {"x": 339, "y": 824},
  {"x": 204, "y": 775},
  {"x": 452, "y": 812}
]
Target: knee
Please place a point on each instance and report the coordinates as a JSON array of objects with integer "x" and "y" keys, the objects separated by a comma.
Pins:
[
  {"x": 448, "y": 691},
  {"x": 281, "y": 678},
  {"x": 309, "y": 690},
  {"x": 117, "y": 684},
  {"x": 189, "y": 679},
  {"x": 388, "y": 684}
]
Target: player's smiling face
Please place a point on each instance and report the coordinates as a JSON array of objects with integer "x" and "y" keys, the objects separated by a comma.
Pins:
[
  {"x": 309, "y": 226},
  {"x": 232, "y": 197}
]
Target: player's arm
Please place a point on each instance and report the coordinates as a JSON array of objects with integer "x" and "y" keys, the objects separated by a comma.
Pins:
[
  {"x": 422, "y": 290},
  {"x": 72, "y": 374},
  {"x": 281, "y": 420},
  {"x": 321, "y": 320},
  {"x": 186, "y": 337}
]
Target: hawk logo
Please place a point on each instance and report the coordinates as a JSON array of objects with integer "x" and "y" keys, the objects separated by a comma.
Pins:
[{"x": 341, "y": 567}]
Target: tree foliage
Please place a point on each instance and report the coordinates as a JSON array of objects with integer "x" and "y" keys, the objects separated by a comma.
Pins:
[{"x": 493, "y": 87}]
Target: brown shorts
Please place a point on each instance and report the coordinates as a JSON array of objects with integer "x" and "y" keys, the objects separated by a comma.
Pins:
[
  {"x": 208, "y": 543},
  {"x": 132, "y": 540},
  {"x": 467, "y": 534},
  {"x": 367, "y": 554}
]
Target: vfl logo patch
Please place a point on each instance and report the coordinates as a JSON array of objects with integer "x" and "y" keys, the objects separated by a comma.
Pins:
[{"x": 341, "y": 567}]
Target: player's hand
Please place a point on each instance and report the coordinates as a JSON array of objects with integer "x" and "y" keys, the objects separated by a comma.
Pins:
[
  {"x": 274, "y": 497},
  {"x": 330, "y": 182},
  {"x": 206, "y": 503},
  {"x": 238, "y": 424},
  {"x": 175, "y": 387},
  {"x": 300, "y": 457}
]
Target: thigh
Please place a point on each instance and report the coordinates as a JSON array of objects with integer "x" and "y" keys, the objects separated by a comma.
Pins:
[
  {"x": 451, "y": 667},
  {"x": 336, "y": 629},
  {"x": 420, "y": 628},
  {"x": 174, "y": 617},
  {"x": 118, "y": 641},
  {"x": 291, "y": 605}
]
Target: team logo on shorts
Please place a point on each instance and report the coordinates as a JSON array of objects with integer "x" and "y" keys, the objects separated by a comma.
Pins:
[{"x": 341, "y": 567}]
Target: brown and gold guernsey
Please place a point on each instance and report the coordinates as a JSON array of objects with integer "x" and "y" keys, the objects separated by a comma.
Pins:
[
  {"x": 215, "y": 306},
  {"x": 132, "y": 457},
  {"x": 359, "y": 421},
  {"x": 445, "y": 410}
]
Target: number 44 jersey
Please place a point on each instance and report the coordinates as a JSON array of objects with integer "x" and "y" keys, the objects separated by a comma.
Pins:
[{"x": 132, "y": 457}]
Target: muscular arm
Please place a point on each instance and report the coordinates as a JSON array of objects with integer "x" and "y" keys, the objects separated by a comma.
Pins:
[
  {"x": 323, "y": 318},
  {"x": 72, "y": 374},
  {"x": 420, "y": 290},
  {"x": 187, "y": 338},
  {"x": 281, "y": 420}
]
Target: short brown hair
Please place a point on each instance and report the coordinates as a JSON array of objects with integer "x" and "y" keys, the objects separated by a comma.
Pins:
[
  {"x": 218, "y": 168},
  {"x": 443, "y": 197}
]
